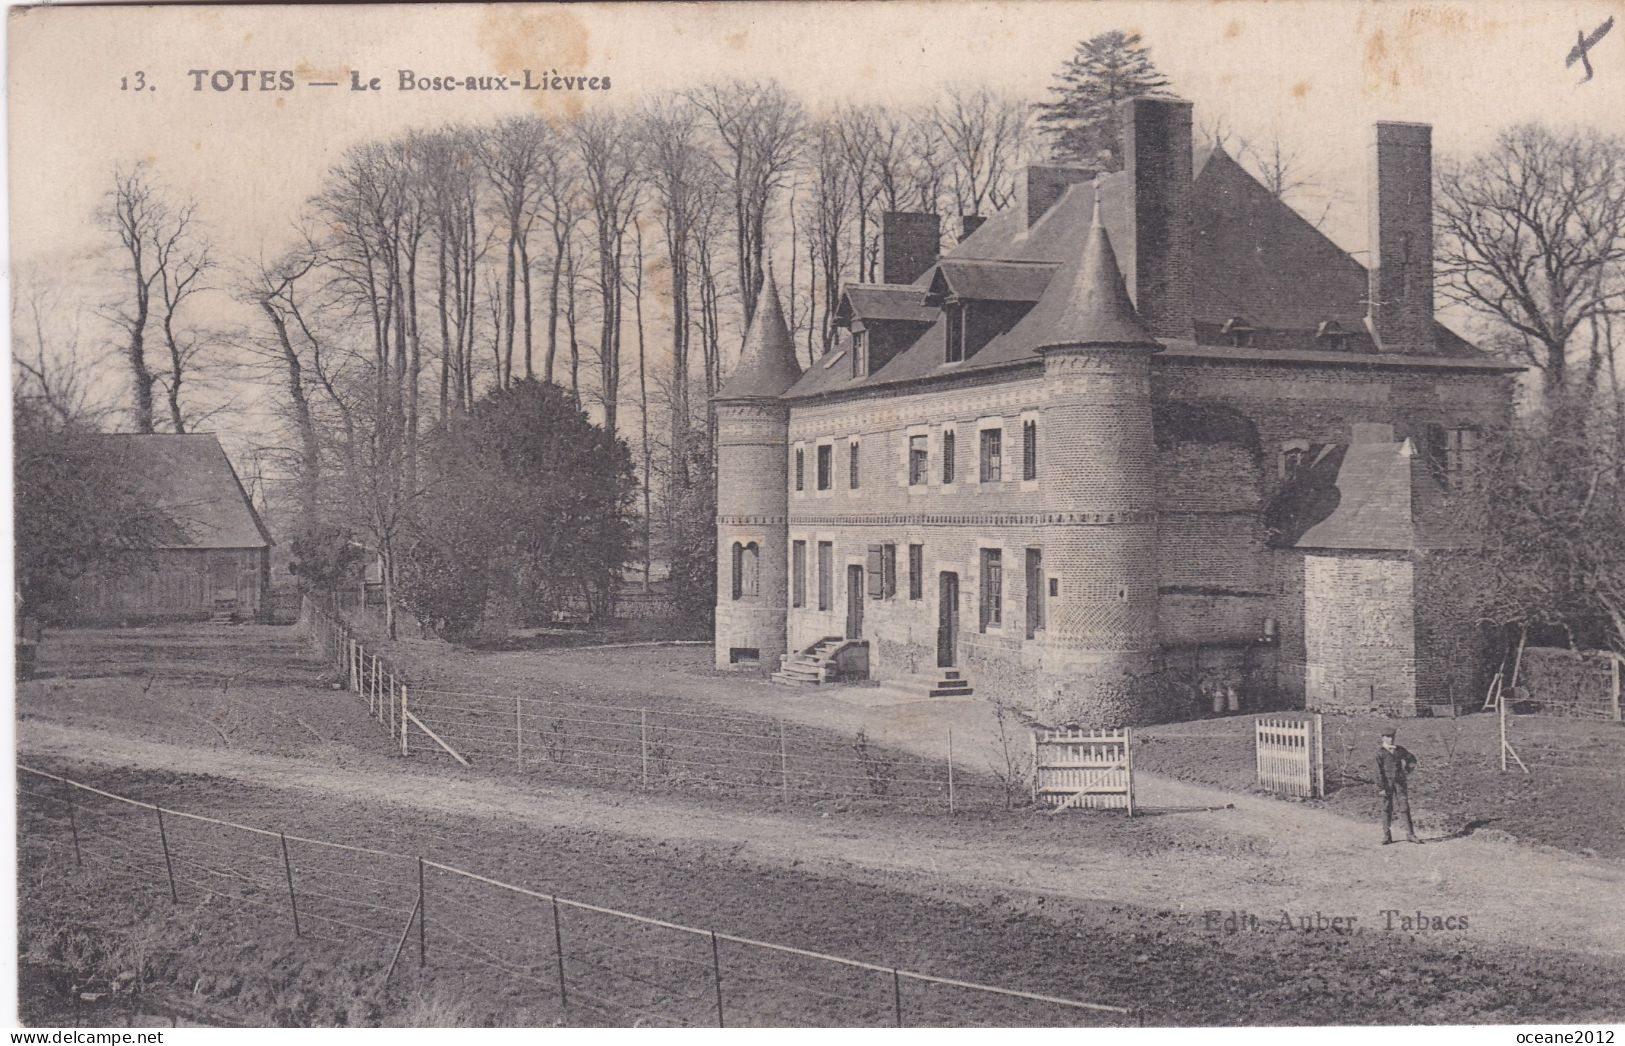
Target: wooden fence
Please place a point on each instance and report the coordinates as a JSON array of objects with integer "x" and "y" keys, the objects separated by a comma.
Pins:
[
  {"x": 1291, "y": 756},
  {"x": 1077, "y": 768},
  {"x": 659, "y": 747},
  {"x": 599, "y": 963}
]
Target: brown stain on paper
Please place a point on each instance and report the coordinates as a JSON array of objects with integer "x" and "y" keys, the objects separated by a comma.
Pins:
[
  {"x": 1402, "y": 54},
  {"x": 543, "y": 42}
]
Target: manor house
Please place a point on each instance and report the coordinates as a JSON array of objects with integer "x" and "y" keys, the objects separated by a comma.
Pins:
[{"x": 1142, "y": 435}]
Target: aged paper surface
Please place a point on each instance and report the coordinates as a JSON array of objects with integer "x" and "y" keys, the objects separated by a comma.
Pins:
[{"x": 766, "y": 459}]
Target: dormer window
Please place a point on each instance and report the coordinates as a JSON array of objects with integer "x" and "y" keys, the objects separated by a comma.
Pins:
[
  {"x": 1331, "y": 335},
  {"x": 1294, "y": 455},
  {"x": 954, "y": 314},
  {"x": 860, "y": 353},
  {"x": 1239, "y": 331}
]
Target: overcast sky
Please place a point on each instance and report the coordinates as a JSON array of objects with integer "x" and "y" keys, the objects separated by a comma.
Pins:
[{"x": 1315, "y": 74}]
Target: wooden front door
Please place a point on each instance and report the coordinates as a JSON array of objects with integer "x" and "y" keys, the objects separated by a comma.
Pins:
[
  {"x": 947, "y": 619},
  {"x": 854, "y": 602}
]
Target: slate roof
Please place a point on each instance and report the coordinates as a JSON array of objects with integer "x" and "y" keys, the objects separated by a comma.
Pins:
[
  {"x": 883, "y": 302},
  {"x": 191, "y": 480},
  {"x": 1357, "y": 496},
  {"x": 767, "y": 362},
  {"x": 983, "y": 280},
  {"x": 1253, "y": 257},
  {"x": 1089, "y": 304}
]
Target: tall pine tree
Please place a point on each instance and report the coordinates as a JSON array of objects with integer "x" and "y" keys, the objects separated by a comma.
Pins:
[{"x": 1081, "y": 120}]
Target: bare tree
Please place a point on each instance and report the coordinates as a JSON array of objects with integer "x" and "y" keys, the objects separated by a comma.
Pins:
[
  {"x": 610, "y": 159},
  {"x": 51, "y": 373},
  {"x": 982, "y": 133},
  {"x": 759, "y": 126},
  {"x": 680, "y": 173},
  {"x": 1532, "y": 236},
  {"x": 182, "y": 256},
  {"x": 134, "y": 212},
  {"x": 514, "y": 154},
  {"x": 856, "y": 133},
  {"x": 276, "y": 291},
  {"x": 827, "y": 223}
]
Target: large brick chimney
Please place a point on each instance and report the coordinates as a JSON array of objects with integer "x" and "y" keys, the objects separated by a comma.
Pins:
[
  {"x": 1042, "y": 184},
  {"x": 1158, "y": 266},
  {"x": 909, "y": 244},
  {"x": 1400, "y": 311}
]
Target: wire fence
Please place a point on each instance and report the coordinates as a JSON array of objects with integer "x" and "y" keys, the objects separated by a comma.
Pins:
[
  {"x": 409, "y": 914},
  {"x": 650, "y": 747}
]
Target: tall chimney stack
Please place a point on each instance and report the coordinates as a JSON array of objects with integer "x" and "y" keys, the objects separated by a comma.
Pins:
[
  {"x": 1400, "y": 311},
  {"x": 909, "y": 245},
  {"x": 1159, "y": 267}
]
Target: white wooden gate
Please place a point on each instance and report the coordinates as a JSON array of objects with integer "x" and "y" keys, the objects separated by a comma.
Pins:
[
  {"x": 1291, "y": 756},
  {"x": 1077, "y": 768}
]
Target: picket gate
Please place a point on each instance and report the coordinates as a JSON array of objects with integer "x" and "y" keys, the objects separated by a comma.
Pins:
[
  {"x": 1079, "y": 768},
  {"x": 1291, "y": 756}
]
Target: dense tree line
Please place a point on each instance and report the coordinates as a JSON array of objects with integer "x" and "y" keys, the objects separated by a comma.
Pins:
[{"x": 446, "y": 274}]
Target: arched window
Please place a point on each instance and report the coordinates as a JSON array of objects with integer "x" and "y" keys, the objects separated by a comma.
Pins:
[{"x": 747, "y": 573}]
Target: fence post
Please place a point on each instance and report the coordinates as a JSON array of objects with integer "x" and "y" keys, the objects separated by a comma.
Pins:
[
  {"x": 897, "y": 996},
  {"x": 1501, "y": 712},
  {"x": 558, "y": 953},
  {"x": 784, "y": 765},
  {"x": 643, "y": 737},
  {"x": 163, "y": 838},
  {"x": 950, "y": 771},
  {"x": 73, "y": 825},
  {"x": 716, "y": 976},
  {"x": 403, "y": 720},
  {"x": 423, "y": 919},
  {"x": 1320, "y": 756},
  {"x": 1128, "y": 767},
  {"x": 1614, "y": 694},
  {"x": 287, "y": 866},
  {"x": 518, "y": 731},
  {"x": 1033, "y": 782}
]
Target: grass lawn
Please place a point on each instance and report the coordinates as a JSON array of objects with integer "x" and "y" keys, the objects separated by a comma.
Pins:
[{"x": 1570, "y": 799}]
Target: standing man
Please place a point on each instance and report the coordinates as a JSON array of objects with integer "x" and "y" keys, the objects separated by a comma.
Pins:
[{"x": 1394, "y": 764}]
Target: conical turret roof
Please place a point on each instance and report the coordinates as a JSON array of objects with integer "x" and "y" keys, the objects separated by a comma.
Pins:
[
  {"x": 767, "y": 364},
  {"x": 1092, "y": 304}
]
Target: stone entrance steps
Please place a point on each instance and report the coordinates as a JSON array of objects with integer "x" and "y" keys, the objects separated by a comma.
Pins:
[
  {"x": 941, "y": 684},
  {"x": 810, "y": 667}
]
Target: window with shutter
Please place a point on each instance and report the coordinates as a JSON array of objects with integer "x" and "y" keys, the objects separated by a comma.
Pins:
[
  {"x": 916, "y": 571},
  {"x": 888, "y": 570},
  {"x": 798, "y": 574},
  {"x": 948, "y": 469},
  {"x": 877, "y": 583},
  {"x": 992, "y": 600}
]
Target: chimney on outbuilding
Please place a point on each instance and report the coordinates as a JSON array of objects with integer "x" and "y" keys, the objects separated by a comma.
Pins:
[
  {"x": 909, "y": 245},
  {"x": 1158, "y": 256},
  {"x": 1399, "y": 312}
]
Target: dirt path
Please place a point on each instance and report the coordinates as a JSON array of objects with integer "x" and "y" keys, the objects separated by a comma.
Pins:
[{"x": 1260, "y": 856}]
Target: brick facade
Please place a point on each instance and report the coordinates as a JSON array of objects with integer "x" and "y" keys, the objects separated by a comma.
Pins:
[{"x": 1166, "y": 514}]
